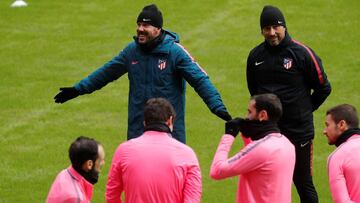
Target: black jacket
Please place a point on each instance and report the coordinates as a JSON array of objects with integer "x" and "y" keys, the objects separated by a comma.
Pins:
[{"x": 295, "y": 74}]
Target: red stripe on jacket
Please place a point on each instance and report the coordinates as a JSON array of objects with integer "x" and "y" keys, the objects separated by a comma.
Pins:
[
  {"x": 321, "y": 78},
  {"x": 192, "y": 58}
]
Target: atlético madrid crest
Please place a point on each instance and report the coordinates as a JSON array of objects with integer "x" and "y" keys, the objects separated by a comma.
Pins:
[
  {"x": 287, "y": 63},
  {"x": 162, "y": 64}
]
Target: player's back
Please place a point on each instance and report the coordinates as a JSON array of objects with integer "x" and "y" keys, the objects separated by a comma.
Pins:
[{"x": 155, "y": 168}]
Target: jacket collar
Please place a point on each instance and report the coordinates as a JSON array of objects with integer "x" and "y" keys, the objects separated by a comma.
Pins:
[
  {"x": 346, "y": 135},
  {"x": 88, "y": 187},
  {"x": 284, "y": 43},
  {"x": 159, "y": 126},
  {"x": 74, "y": 174},
  {"x": 154, "y": 134},
  {"x": 164, "y": 47}
]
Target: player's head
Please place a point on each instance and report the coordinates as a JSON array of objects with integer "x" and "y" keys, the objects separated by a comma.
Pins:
[
  {"x": 159, "y": 110},
  {"x": 87, "y": 157},
  {"x": 265, "y": 107},
  {"x": 339, "y": 119},
  {"x": 149, "y": 24},
  {"x": 273, "y": 26}
]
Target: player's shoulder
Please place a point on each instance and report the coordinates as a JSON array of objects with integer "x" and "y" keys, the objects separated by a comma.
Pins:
[
  {"x": 125, "y": 145},
  {"x": 179, "y": 48},
  {"x": 350, "y": 146},
  {"x": 131, "y": 46},
  {"x": 299, "y": 46},
  {"x": 182, "y": 147},
  {"x": 260, "y": 144},
  {"x": 257, "y": 49},
  {"x": 341, "y": 152},
  {"x": 277, "y": 140}
]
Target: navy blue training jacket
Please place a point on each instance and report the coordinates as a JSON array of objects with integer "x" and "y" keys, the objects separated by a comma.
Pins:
[{"x": 160, "y": 73}]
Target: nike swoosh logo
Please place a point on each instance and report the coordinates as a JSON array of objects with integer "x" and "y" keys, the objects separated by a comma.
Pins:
[
  {"x": 303, "y": 145},
  {"x": 258, "y": 63}
]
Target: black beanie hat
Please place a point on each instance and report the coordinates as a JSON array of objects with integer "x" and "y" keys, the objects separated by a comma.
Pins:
[
  {"x": 271, "y": 15},
  {"x": 152, "y": 15}
]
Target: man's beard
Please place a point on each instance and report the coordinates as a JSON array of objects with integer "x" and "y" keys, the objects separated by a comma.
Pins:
[
  {"x": 91, "y": 176},
  {"x": 151, "y": 43},
  {"x": 146, "y": 35}
]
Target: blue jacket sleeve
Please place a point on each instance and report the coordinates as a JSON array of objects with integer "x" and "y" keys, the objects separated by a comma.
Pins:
[
  {"x": 107, "y": 73},
  {"x": 198, "y": 79}
]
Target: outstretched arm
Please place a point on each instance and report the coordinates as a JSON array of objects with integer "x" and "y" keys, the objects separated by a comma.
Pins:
[
  {"x": 109, "y": 72},
  {"x": 199, "y": 80},
  {"x": 96, "y": 80}
]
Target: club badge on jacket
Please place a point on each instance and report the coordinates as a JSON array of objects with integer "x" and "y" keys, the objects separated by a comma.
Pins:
[
  {"x": 162, "y": 64},
  {"x": 287, "y": 63}
]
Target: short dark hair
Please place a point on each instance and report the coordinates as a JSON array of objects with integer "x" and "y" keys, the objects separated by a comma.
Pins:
[
  {"x": 83, "y": 149},
  {"x": 344, "y": 112},
  {"x": 270, "y": 103},
  {"x": 158, "y": 110}
]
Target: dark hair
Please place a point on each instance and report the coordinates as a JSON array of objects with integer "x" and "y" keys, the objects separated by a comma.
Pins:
[
  {"x": 158, "y": 110},
  {"x": 344, "y": 112},
  {"x": 81, "y": 150},
  {"x": 270, "y": 103}
]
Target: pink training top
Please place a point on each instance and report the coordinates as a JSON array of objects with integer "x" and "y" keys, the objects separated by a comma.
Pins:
[
  {"x": 70, "y": 187},
  {"x": 154, "y": 168},
  {"x": 344, "y": 171},
  {"x": 265, "y": 168}
]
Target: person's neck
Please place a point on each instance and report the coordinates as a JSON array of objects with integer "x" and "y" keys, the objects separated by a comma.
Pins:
[
  {"x": 346, "y": 135},
  {"x": 158, "y": 126}
]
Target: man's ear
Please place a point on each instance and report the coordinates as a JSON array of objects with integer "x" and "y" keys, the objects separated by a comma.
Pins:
[
  {"x": 87, "y": 165},
  {"x": 343, "y": 125},
  {"x": 263, "y": 116},
  {"x": 169, "y": 121}
]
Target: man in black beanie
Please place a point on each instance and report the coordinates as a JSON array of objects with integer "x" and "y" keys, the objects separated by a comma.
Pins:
[
  {"x": 292, "y": 71},
  {"x": 157, "y": 66}
]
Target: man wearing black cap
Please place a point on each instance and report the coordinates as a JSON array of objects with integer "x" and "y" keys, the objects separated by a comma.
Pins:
[
  {"x": 293, "y": 72},
  {"x": 157, "y": 66}
]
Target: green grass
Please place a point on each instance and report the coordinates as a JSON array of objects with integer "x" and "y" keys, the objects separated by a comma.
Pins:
[{"x": 51, "y": 44}]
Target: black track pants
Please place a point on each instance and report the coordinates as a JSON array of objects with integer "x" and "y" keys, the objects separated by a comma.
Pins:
[{"x": 303, "y": 173}]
